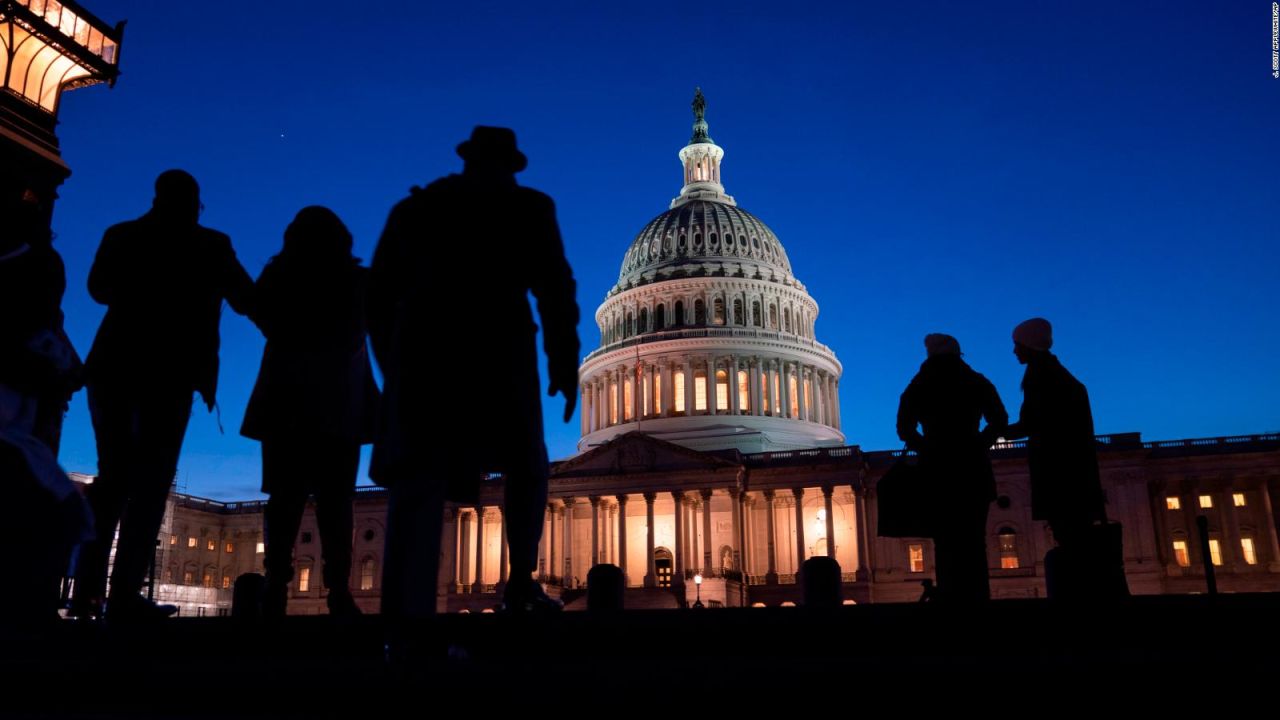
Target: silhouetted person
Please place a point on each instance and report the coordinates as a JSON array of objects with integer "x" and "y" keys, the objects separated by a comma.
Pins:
[
  {"x": 315, "y": 400},
  {"x": 1062, "y": 455},
  {"x": 39, "y": 371},
  {"x": 163, "y": 278},
  {"x": 462, "y": 389},
  {"x": 948, "y": 400}
]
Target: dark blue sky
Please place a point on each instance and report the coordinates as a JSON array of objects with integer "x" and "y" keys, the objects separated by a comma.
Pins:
[{"x": 928, "y": 167}]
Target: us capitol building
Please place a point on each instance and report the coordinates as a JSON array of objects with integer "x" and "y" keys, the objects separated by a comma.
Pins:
[{"x": 711, "y": 447}]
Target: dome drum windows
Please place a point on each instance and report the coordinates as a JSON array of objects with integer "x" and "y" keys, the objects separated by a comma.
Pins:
[
  {"x": 717, "y": 310},
  {"x": 738, "y": 318},
  {"x": 699, "y": 312},
  {"x": 660, "y": 317}
]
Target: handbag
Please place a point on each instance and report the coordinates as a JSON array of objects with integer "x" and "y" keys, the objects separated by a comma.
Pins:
[{"x": 905, "y": 502}]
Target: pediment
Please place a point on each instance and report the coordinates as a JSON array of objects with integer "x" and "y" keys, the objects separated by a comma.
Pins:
[{"x": 637, "y": 453}]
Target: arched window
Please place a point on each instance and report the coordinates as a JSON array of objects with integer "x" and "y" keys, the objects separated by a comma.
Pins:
[
  {"x": 699, "y": 312},
  {"x": 1008, "y": 543},
  {"x": 757, "y": 318},
  {"x": 700, "y": 390},
  {"x": 644, "y": 320},
  {"x": 722, "y": 390},
  {"x": 657, "y": 393},
  {"x": 613, "y": 402},
  {"x": 628, "y": 325},
  {"x": 717, "y": 309},
  {"x": 744, "y": 393},
  {"x": 773, "y": 317},
  {"x": 678, "y": 390},
  {"x": 786, "y": 319},
  {"x": 659, "y": 317},
  {"x": 628, "y": 398},
  {"x": 304, "y": 577},
  {"x": 368, "y": 570},
  {"x": 226, "y": 580},
  {"x": 617, "y": 329},
  {"x": 1181, "y": 551},
  {"x": 738, "y": 318},
  {"x": 795, "y": 400},
  {"x": 679, "y": 318}
]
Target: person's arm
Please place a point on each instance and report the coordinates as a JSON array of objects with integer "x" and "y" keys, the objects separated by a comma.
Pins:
[
  {"x": 996, "y": 416},
  {"x": 555, "y": 291},
  {"x": 1028, "y": 417},
  {"x": 104, "y": 274},
  {"x": 908, "y": 422},
  {"x": 236, "y": 285}
]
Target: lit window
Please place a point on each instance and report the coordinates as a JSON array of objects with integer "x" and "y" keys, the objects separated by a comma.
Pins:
[
  {"x": 628, "y": 401},
  {"x": 1206, "y": 501},
  {"x": 1180, "y": 554},
  {"x": 646, "y": 402},
  {"x": 226, "y": 582},
  {"x": 188, "y": 577},
  {"x": 304, "y": 579},
  {"x": 1173, "y": 503},
  {"x": 1250, "y": 553},
  {"x": 366, "y": 574},
  {"x": 657, "y": 393},
  {"x": 915, "y": 558},
  {"x": 777, "y": 392},
  {"x": 1215, "y": 551},
  {"x": 679, "y": 393},
  {"x": 744, "y": 392},
  {"x": 808, "y": 397},
  {"x": 722, "y": 390},
  {"x": 173, "y": 539},
  {"x": 1008, "y": 549},
  {"x": 262, "y": 547},
  {"x": 613, "y": 403},
  {"x": 795, "y": 401},
  {"x": 191, "y": 542},
  {"x": 210, "y": 545},
  {"x": 1238, "y": 499},
  {"x": 208, "y": 579},
  {"x": 699, "y": 392},
  {"x": 231, "y": 547}
]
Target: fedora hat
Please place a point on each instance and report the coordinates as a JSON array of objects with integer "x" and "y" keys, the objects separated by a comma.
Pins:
[{"x": 493, "y": 143}]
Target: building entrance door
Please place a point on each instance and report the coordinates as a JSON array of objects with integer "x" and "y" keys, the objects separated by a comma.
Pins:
[{"x": 663, "y": 565}]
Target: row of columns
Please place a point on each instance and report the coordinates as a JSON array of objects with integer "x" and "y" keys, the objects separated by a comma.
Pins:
[
  {"x": 605, "y": 401},
  {"x": 624, "y": 324},
  {"x": 556, "y": 552}
]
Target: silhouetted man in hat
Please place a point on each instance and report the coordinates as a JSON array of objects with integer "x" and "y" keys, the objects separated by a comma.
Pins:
[
  {"x": 461, "y": 368},
  {"x": 163, "y": 278}
]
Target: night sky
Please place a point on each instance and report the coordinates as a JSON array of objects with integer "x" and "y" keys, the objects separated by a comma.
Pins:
[{"x": 929, "y": 167}]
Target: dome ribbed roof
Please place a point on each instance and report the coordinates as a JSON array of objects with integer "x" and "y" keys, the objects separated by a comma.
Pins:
[{"x": 686, "y": 239}]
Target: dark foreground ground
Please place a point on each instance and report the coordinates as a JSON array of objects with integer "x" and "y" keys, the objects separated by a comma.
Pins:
[{"x": 1017, "y": 658}]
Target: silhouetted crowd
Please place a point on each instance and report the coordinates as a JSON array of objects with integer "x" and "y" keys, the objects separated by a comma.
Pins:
[{"x": 164, "y": 277}]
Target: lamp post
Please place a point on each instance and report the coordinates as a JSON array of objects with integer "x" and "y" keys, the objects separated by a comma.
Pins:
[{"x": 697, "y": 581}]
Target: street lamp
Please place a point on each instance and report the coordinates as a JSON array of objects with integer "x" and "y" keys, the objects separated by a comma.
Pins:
[{"x": 697, "y": 582}]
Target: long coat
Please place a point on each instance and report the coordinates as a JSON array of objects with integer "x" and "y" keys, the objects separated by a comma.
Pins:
[
  {"x": 453, "y": 332},
  {"x": 1062, "y": 454},
  {"x": 948, "y": 399},
  {"x": 316, "y": 381},
  {"x": 163, "y": 285}
]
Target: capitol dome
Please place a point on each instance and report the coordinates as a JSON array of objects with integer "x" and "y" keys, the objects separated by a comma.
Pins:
[{"x": 708, "y": 339}]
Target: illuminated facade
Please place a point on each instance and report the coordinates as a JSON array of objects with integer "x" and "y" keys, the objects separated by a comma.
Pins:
[
  {"x": 46, "y": 47},
  {"x": 707, "y": 339}
]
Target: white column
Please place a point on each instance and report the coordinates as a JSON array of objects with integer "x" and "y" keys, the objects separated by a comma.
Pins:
[
  {"x": 478, "y": 585},
  {"x": 688, "y": 385},
  {"x": 803, "y": 402},
  {"x": 567, "y": 542},
  {"x": 707, "y": 562},
  {"x": 771, "y": 576},
  {"x": 712, "y": 385},
  {"x": 785, "y": 382},
  {"x": 757, "y": 386},
  {"x": 734, "y": 399},
  {"x": 622, "y": 537},
  {"x": 800, "y": 546},
  {"x": 502, "y": 546},
  {"x": 552, "y": 567},
  {"x": 595, "y": 531},
  {"x": 831, "y": 522}
]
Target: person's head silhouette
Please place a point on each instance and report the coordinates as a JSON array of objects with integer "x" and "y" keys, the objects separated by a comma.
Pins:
[
  {"x": 492, "y": 151},
  {"x": 317, "y": 233},
  {"x": 1032, "y": 338},
  {"x": 177, "y": 197}
]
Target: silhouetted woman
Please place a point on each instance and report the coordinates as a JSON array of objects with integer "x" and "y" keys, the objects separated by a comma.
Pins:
[{"x": 314, "y": 401}]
